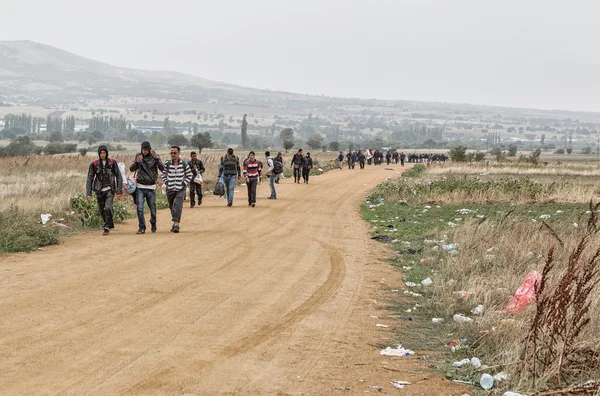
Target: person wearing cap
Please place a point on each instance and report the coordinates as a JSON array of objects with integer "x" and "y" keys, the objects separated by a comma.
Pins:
[
  {"x": 104, "y": 179},
  {"x": 146, "y": 164}
]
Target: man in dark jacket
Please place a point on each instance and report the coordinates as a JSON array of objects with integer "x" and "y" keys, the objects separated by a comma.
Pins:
[
  {"x": 146, "y": 164},
  {"x": 104, "y": 178},
  {"x": 307, "y": 165},
  {"x": 230, "y": 170},
  {"x": 297, "y": 162},
  {"x": 197, "y": 167}
]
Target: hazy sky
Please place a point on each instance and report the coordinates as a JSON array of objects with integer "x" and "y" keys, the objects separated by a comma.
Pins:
[{"x": 524, "y": 53}]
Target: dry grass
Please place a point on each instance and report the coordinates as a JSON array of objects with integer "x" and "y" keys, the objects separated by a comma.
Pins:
[
  {"x": 570, "y": 169},
  {"x": 45, "y": 184}
]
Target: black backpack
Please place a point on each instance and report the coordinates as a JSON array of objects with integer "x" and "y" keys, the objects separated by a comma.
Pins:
[{"x": 277, "y": 167}]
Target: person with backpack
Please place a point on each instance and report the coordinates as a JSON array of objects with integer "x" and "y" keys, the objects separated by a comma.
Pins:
[
  {"x": 306, "y": 167},
  {"x": 147, "y": 164},
  {"x": 197, "y": 168},
  {"x": 229, "y": 169},
  {"x": 271, "y": 174},
  {"x": 176, "y": 176},
  {"x": 340, "y": 159},
  {"x": 278, "y": 167},
  {"x": 252, "y": 174},
  {"x": 297, "y": 162},
  {"x": 104, "y": 178}
]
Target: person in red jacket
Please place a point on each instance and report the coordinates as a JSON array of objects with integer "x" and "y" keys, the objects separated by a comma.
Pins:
[{"x": 252, "y": 174}]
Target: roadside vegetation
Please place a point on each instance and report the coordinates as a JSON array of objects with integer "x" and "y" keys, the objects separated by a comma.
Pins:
[{"x": 466, "y": 237}]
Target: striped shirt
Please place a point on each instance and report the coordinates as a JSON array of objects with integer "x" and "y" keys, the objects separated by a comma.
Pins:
[
  {"x": 252, "y": 169},
  {"x": 176, "y": 177}
]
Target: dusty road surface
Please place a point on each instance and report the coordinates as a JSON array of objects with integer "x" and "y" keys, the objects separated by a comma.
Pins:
[{"x": 273, "y": 300}]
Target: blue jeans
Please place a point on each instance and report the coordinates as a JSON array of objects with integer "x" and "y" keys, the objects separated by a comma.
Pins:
[
  {"x": 142, "y": 195},
  {"x": 272, "y": 185},
  {"x": 229, "y": 182}
]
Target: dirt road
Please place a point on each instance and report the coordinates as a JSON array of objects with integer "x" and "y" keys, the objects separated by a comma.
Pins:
[{"x": 275, "y": 299}]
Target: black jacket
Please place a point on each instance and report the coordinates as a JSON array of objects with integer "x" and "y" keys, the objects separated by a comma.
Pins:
[
  {"x": 199, "y": 167},
  {"x": 147, "y": 170},
  {"x": 101, "y": 175},
  {"x": 308, "y": 163}
]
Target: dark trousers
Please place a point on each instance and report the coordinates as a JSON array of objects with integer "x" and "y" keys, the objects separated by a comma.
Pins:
[
  {"x": 297, "y": 171},
  {"x": 252, "y": 183},
  {"x": 369, "y": 161},
  {"x": 176, "y": 199},
  {"x": 145, "y": 195},
  {"x": 401, "y": 162},
  {"x": 388, "y": 160},
  {"x": 362, "y": 164},
  {"x": 105, "y": 207},
  {"x": 305, "y": 174},
  {"x": 195, "y": 189}
]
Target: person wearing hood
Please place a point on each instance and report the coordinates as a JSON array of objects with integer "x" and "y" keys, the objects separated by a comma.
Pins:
[
  {"x": 104, "y": 179},
  {"x": 146, "y": 164}
]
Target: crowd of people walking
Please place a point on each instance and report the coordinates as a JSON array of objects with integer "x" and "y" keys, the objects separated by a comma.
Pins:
[{"x": 107, "y": 179}]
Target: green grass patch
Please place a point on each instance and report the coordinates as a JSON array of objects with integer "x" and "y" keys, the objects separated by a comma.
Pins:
[{"x": 21, "y": 233}]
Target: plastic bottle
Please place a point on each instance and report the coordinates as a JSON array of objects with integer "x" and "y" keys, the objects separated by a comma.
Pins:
[{"x": 486, "y": 381}]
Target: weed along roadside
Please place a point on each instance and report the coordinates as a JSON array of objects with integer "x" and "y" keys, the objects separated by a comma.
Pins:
[{"x": 497, "y": 276}]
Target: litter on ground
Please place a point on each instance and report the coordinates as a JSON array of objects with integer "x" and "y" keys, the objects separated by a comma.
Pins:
[{"x": 398, "y": 351}]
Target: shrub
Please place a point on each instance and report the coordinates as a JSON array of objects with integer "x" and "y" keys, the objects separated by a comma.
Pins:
[
  {"x": 89, "y": 215},
  {"x": 20, "y": 233},
  {"x": 559, "y": 151},
  {"x": 458, "y": 154},
  {"x": 60, "y": 148}
]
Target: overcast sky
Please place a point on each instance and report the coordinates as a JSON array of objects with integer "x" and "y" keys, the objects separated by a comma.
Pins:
[{"x": 522, "y": 53}]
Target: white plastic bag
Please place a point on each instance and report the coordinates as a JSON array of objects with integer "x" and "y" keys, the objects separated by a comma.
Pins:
[{"x": 198, "y": 179}]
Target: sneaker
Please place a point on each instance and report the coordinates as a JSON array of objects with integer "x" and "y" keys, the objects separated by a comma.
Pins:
[
  {"x": 229, "y": 204},
  {"x": 192, "y": 206},
  {"x": 253, "y": 205},
  {"x": 172, "y": 227},
  {"x": 153, "y": 228},
  {"x": 271, "y": 198},
  {"x": 176, "y": 229},
  {"x": 106, "y": 231},
  {"x": 141, "y": 231}
]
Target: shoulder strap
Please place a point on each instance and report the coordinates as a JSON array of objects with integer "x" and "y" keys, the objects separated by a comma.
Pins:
[{"x": 95, "y": 162}]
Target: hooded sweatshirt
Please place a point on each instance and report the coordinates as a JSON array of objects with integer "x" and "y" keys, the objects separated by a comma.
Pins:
[
  {"x": 103, "y": 175},
  {"x": 147, "y": 169}
]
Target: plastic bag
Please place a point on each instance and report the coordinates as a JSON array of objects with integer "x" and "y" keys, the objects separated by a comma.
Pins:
[
  {"x": 219, "y": 189},
  {"x": 525, "y": 295},
  {"x": 198, "y": 179}
]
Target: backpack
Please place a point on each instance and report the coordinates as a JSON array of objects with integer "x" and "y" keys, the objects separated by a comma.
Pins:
[
  {"x": 112, "y": 162},
  {"x": 277, "y": 167}
]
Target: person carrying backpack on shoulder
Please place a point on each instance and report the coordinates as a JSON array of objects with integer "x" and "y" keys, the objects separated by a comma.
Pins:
[
  {"x": 278, "y": 167},
  {"x": 146, "y": 164},
  {"x": 176, "y": 176},
  {"x": 271, "y": 174},
  {"x": 307, "y": 165},
  {"x": 104, "y": 178}
]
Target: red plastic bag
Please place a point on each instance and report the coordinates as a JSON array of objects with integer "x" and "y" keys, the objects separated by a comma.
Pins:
[{"x": 525, "y": 295}]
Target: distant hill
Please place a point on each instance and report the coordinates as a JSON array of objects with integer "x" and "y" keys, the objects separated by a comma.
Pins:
[{"x": 41, "y": 74}]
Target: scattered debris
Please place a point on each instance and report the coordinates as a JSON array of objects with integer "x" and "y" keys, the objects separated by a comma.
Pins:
[
  {"x": 399, "y": 384},
  {"x": 399, "y": 351},
  {"x": 460, "y": 318},
  {"x": 382, "y": 238},
  {"x": 427, "y": 282},
  {"x": 437, "y": 320},
  {"x": 410, "y": 284},
  {"x": 511, "y": 394},
  {"x": 478, "y": 310},
  {"x": 382, "y": 325},
  {"x": 461, "y": 363},
  {"x": 486, "y": 381},
  {"x": 343, "y": 389},
  {"x": 455, "y": 345},
  {"x": 413, "y": 294},
  {"x": 525, "y": 295},
  {"x": 45, "y": 218},
  {"x": 461, "y": 293},
  {"x": 475, "y": 362},
  {"x": 501, "y": 376}
]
